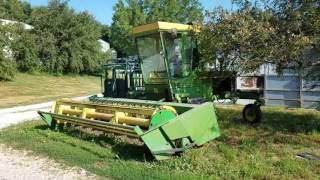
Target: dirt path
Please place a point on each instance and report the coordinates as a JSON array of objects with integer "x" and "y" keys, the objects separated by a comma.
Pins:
[
  {"x": 19, "y": 165},
  {"x": 15, "y": 115}
]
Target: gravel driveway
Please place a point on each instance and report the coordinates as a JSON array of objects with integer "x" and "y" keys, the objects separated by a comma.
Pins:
[{"x": 19, "y": 165}]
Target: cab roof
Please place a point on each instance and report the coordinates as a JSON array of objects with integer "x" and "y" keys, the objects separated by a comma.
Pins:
[{"x": 162, "y": 26}]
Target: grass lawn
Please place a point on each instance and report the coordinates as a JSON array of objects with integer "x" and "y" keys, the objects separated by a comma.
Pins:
[
  {"x": 29, "y": 89},
  {"x": 264, "y": 151}
]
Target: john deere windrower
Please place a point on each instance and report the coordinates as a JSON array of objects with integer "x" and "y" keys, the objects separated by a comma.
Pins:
[
  {"x": 164, "y": 98},
  {"x": 165, "y": 128}
]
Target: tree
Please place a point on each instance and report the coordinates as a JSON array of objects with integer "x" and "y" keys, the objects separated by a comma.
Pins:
[
  {"x": 293, "y": 39},
  {"x": 7, "y": 68},
  {"x": 130, "y": 13},
  {"x": 236, "y": 42},
  {"x": 179, "y": 11},
  {"x": 127, "y": 14},
  {"x": 26, "y": 52},
  {"x": 105, "y": 33},
  {"x": 27, "y": 10},
  {"x": 7, "y": 63},
  {"x": 12, "y": 10},
  {"x": 285, "y": 33},
  {"x": 67, "y": 41}
]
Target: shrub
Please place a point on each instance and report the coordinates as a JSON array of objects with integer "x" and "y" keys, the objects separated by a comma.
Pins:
[
  {"x": 7, "y": 68},
  {"x": 26, "y": 52}
]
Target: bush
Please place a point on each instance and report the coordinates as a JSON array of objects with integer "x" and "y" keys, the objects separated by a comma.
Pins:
[
  {"x": 7, "y": 63},
  {"x": 26, "y": 52},
  {"x": 67, "y": 40},
  {"x": 7, "y": 68}
]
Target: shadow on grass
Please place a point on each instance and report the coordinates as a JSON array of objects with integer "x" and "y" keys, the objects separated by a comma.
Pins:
[
  {"x": 274, "y": 121},
  {"x": 292, "y": 122},
  {"x": 122, "y": 150}
]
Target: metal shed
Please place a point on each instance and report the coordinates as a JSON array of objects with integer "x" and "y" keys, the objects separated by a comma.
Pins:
[{"x": 288, "y": 89}]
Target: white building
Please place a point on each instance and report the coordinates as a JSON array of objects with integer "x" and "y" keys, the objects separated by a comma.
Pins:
[
  {"x": 7, "y": 51},
  {"x": 105, "y": 46},
  {"x": 10, "y": 22}
]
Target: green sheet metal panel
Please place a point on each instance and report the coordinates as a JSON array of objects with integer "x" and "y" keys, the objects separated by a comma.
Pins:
[
  {"x": 157, "y": 143},
  {"x": 200, "y": 124},
  {"x": 169, "y": 135}
]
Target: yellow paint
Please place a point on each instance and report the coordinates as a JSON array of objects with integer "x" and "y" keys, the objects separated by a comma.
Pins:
[
  {"x": 53, "y": 108},
  {"x": 117, "y": 130},
  {"x": 169, "y": 108},
  {"x": 164, "y": 26},
  {"x": 105, "y": 107},
  {"x": 116, "y": 113}
]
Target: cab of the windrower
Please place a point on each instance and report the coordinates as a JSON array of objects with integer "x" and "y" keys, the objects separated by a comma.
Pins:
[
  {"x": 165, "y": 50},
  {"x": 168, "y": 56}
]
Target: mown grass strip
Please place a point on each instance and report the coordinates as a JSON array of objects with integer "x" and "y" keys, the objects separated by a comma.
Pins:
[{"x": 34, "y": 88}]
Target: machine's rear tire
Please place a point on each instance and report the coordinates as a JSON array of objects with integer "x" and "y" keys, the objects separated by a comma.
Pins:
[{"x": 252, "y": 113}]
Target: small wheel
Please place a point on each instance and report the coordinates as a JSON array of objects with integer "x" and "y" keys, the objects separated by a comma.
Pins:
[{"x": 252, "y": 113}]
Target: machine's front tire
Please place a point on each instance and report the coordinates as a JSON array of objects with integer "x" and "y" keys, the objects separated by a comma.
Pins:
[{"x": 252, "y": 113}]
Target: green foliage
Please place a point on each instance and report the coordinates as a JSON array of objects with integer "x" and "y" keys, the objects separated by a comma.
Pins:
[
  {"x": 179, "y": 11},
  {"x": 130, "y": 13},
  {"x": 281, "y": 32},
  {"x": 105, "y": 33},
  {"x": 67, "y": 41},
  {"x": 236, "y": 41},
  {"x": 7, "y": 63},
  {"x": 14, "y": 10},
  {"x": 286, "y": 33},
  {"x": 62, "y": 41},
  {"x": 294, "y": 20},
  {"x": 26, "y": 52},
  {"x": 126, "y": 15},
  {"x": 7, "y": 68}
]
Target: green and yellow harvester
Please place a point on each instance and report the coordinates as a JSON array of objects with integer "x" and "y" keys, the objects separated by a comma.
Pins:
[{"x": 164, "y": 99}]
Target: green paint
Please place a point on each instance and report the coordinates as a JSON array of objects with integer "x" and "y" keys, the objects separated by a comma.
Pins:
[
  {"x": 197, "y": 126},
  {"x": 161, "y": 117},
  {"x": 192, "y": 87},
  {"x": 48, "y": 119},
  {"x": 168, "y": 132},
  {"x": 171, "y": 69}
]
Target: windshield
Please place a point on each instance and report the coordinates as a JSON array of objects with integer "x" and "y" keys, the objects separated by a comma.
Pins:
[
  {"x": 179, "y": 50},
  {"x": 153, "y": 65}
]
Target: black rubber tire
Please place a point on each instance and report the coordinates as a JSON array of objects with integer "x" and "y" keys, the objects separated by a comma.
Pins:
[{"x": 254, "y": 116}]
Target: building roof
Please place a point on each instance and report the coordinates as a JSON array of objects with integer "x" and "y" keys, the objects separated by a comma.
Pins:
[
  {"x": 9, "y": 22},
  {"x": 162, "y": 26}
]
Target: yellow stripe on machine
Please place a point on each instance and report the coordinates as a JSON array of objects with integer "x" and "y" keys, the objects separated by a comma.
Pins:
[
  {"x": 163, "y": 26},
  {"x": 118, "y": 114}
]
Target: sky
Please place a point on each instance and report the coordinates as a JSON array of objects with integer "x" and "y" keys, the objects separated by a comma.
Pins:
[{"x": 102, "y": 10}]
